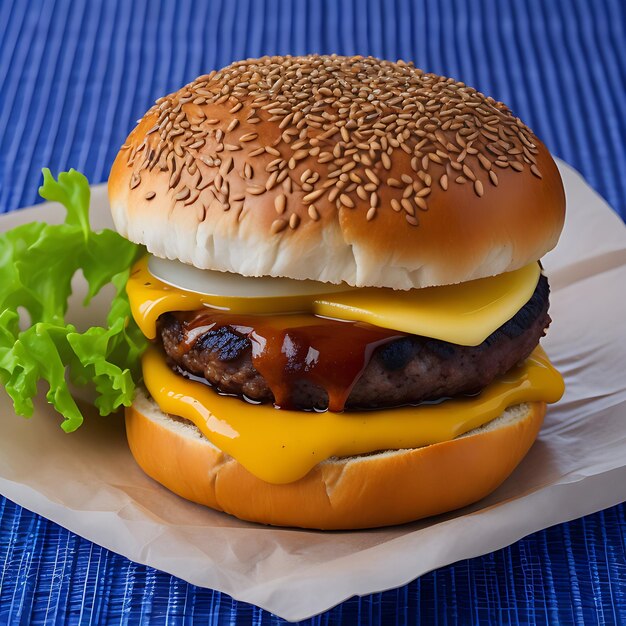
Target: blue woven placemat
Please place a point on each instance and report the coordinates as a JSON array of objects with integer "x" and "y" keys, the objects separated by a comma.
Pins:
[{"x": 74, "y": 77}]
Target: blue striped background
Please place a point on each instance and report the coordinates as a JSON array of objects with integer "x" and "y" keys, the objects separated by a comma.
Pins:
[{"x": 76, "y": 74}]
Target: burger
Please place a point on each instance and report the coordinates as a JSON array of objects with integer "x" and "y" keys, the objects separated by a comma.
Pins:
[{"x": 343, "y": 290}]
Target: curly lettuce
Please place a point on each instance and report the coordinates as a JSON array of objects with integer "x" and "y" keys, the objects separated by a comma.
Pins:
[{"x": 37, "y": 263}]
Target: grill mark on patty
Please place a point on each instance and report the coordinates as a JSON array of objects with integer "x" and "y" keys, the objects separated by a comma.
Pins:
[
  {"x": 225, "y": 342},
  {"x": 408, "y": 370}
]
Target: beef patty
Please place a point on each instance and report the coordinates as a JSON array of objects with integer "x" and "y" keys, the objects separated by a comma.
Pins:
[{"x": 406, "y": 370}]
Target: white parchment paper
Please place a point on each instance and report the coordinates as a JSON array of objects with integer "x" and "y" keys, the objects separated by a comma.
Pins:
[{"x": 89, "y": 483}]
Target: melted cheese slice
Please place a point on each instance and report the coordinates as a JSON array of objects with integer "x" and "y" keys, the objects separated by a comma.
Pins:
[
  {"x": 280, "y": 446},
  {"x": 465, "y": 314}
]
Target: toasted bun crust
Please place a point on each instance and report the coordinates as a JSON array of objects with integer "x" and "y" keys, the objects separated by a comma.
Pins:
[
  {"x": 357, "y": 492},
  {"x": 337, "y": 169}
]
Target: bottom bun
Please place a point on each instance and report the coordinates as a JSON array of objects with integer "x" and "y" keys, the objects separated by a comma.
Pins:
[{"x": 367, "y": 491}]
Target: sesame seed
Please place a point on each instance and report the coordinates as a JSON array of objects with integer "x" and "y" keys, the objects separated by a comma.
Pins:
[
  {"x": 484, "y": 161},
  {"x": 346, "y": 200},
  {"x": 468, "y": 172},
  {"x": 255, "y": 190},
  {"x": 226, "y": 166},
  {"x": 314, "y": 195},
  {"x": 294, "y": 220},
  {"x": 278, "y": 226},
  {"x": 407, "y": 206},
  {"x": 372, "y": 176},
  {"x": 421, "y": 203},
  {"x": 150, "y": 195},
  {"x": 313, "y": 213},
  {"x": 280, "y": 203},
  {"x": 271, "y": 181}
]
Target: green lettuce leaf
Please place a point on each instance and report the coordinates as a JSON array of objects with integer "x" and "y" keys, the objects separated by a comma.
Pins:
[{"x": 37, "y": 263}]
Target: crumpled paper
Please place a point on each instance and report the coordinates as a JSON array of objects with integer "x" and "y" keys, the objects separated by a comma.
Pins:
[{"x": 89, "y": 483}]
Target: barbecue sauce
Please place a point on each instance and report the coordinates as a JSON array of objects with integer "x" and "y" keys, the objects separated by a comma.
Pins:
[{"x": 290, "y": 349}]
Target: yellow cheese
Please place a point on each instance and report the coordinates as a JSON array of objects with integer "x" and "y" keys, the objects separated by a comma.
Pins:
[
  {"x": 281, "y": 446},
  {"x": 465, "y": 314}
]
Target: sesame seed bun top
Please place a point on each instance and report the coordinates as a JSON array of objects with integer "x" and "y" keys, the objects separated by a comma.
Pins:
[{"x": 337, "y": 169}]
